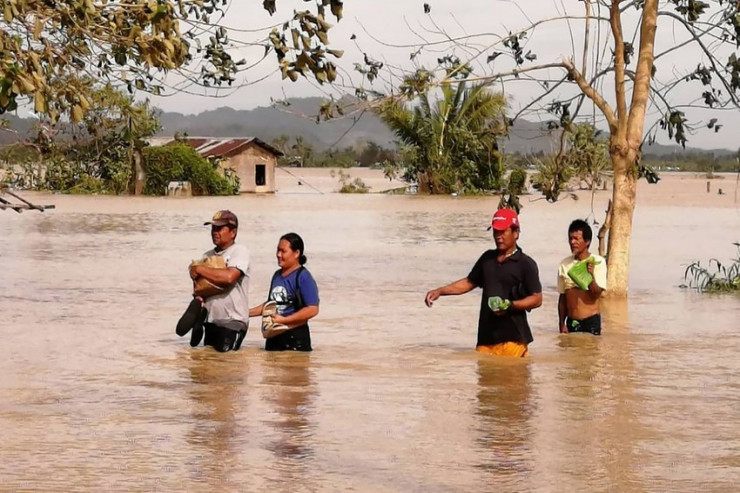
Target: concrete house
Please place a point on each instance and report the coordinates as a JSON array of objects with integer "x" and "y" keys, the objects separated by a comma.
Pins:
[{"x": 253, "y": 160}]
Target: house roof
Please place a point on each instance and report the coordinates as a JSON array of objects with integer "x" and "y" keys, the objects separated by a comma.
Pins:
[{"x": 213, "y": 147}]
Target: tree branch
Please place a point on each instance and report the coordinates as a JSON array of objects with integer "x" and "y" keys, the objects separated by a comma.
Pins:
[
  {"x": 515, "y": 73},
  {"x": 641, "y": 88},
  {"x": 593, "y": 95},
  {"x": 586, "y": 35},
  {"x": 712, "y": 59},
  {"x": 539, "y": 98},
  {"x": 619, "y": 67}
]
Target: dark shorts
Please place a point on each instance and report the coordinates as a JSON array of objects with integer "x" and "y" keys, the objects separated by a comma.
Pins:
[
  {"x": 223, "y": 339},
  {"x": 591, "y": 324},
  {"x": 298, "y": 339}
]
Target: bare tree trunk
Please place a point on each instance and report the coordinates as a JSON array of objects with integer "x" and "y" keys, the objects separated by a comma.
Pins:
[
  {"x": 139, "y": 173},
  {"x": 625, "y": 142},
  {"x": 623, "y": 208},
  {"x": 604, "y": 229}
]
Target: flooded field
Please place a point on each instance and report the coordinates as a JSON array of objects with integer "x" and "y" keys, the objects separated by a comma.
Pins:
[{"x": 99, "y": 394}]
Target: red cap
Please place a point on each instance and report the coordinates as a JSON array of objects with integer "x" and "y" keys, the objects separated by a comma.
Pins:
[{"x": 504, "y": 219}]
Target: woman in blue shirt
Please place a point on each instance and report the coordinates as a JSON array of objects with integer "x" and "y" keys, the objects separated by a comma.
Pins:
[{"x": 296, "y": 295}]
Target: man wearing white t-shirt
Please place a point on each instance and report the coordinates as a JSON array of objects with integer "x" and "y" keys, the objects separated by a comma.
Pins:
[
  {"x": 228, "y": 315},
  {"x": 578, "y": 307}
]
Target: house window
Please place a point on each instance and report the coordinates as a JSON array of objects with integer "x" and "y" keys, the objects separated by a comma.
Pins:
[{"x": 260, "y": 173}]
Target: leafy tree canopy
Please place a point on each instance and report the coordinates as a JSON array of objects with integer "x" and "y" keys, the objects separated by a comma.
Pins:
[
  {"x": 53, "y": 52},
  {"x": 450, "y": 143}
]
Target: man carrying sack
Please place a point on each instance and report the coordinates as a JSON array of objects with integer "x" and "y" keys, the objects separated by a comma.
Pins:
[
  {"x": 220, "y": 286},
  {"x": 581, "y": 280}
]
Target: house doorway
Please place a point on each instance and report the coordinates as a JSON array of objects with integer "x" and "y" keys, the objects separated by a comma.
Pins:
[{"x": 260, "y": 175}]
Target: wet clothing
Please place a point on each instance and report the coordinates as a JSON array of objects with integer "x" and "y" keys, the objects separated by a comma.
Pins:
[
  {"x": 565, "y": 282},
  {"x": 590, "y": 324},
  {"x": 224, "y": 339},
  {"x": 228, "y": 313},
  {"x": 510, "y": 349},
  {"x": 515, "y": 278},
  {"x": 194, "y": 316},
  {"x": 233, "y": 304},
  {"x": 291, "y": 293}
]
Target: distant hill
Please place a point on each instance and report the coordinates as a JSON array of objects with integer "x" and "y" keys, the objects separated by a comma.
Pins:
[
  {"x": 527, "y": 137},
  {"x": 22, "y": 126},
  {"x": 299, "y": 119},
  {"x": 267, "y": 123}
]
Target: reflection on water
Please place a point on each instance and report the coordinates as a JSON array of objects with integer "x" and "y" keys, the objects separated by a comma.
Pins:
[
  {"x": 99, "y": 394},
  {"x": 217, "y": 384},
  {"x": 505, "y": 409},
  {"x": 291, "y": 393}
]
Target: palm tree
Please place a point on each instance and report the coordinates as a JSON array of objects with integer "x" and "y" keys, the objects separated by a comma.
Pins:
[{"x": 450, "y": 145}]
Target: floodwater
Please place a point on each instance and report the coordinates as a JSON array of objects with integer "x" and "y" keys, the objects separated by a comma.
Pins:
[{"x": 99, "y": 394}]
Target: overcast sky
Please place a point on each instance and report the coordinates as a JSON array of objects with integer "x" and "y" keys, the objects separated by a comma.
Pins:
[{"x": 390, "y": 30}]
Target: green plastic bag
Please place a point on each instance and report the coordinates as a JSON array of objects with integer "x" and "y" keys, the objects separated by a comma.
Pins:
[
  {"x": 496, "y": 303},
  {"x": 579, "y": 272}
]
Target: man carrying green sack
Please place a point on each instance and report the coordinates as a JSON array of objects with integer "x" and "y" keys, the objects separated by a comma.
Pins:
[
  {"x": 580, "y": 273},
  {"x": 581, "y": 280}
]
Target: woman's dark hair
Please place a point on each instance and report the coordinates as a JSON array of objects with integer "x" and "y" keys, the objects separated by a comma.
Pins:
[{"x": 296, "y": 244}]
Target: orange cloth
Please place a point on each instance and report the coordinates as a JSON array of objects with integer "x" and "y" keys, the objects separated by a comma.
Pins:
[{"x": 510, "y": 349}]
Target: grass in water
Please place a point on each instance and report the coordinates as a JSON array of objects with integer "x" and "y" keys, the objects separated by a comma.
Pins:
[{"x": 716, "y": 277}]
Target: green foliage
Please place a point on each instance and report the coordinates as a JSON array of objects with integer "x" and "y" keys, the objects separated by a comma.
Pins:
[
  {"x": 585, "y": 160},
  {"x": 515, "y": 186},
  {"x": 301, "y": 154},
  {"x": 19, "y": 166},
  {"x": 305, "y": 53},
  {"x": 588, "y": 156},
  {"x": 390, "y": 170},
  {"x": 49, "y": 49},
  {"x": 721, "y": 278},
  {"x": 96, "y": 155},
  {"x": 18, "y": 154},
  {"x": 180, "y": 162},
  {"x": 88, "y": 185},
  {"x": 373, "y": 154},
  {"x": 354, "y": 186},
  {"x": 342, "y": 158},
  {"x": 552, "y": 176},
  {"x": 62, "y": 175},
  {"x": 450, "y": 145}
]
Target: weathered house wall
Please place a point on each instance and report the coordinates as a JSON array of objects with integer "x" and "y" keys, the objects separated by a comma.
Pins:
[{"x": 246, "y": 162}]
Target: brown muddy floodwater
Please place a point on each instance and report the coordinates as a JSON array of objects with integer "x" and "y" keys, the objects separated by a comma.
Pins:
[{"x": 99, "y": 394}]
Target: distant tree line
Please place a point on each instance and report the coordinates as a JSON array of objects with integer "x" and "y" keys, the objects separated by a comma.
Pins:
[
  {"x": 107, "y": 152},
  {"x": 445, "y": 146},
  {"x": 300, "y": 153},
  {"x": 693, "y": 160}
]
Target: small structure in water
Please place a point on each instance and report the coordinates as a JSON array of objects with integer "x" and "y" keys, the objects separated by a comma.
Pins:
[
  {"x": 21, "y": 204},
  {"x": 252, "y": 159},
  {"x": 179, "y": 189}
]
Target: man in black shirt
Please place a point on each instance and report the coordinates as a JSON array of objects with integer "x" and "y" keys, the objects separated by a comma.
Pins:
[{"x": 511, "y": 287}]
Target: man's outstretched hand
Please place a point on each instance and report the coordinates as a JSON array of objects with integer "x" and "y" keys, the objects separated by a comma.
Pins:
[{"x": 431, "y": 297}]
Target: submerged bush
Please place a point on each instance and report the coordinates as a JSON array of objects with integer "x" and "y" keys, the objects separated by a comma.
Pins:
[
  {"x": 354, "y": 186},
  {"x": 180, "y": 162},
  {"x": 716, "y": 277}
]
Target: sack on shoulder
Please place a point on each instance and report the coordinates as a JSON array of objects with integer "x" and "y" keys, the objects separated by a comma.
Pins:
[{"x": 203, "y": 287}]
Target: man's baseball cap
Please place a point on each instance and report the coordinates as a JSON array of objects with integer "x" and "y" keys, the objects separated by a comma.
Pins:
[
  {"x": 504, "y": 219},
  {"x": 223, "y": 218}
]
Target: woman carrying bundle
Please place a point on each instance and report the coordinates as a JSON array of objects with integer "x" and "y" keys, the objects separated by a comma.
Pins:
[{"x": 292, "y": 301}]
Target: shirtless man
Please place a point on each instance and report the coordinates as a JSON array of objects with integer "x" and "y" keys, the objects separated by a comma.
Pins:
[{"x": 578, "y": 309}]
